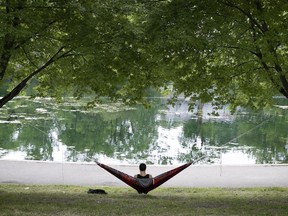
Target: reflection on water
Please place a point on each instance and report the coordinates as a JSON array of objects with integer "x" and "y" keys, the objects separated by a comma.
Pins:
[{"x": 42, "y": 130}]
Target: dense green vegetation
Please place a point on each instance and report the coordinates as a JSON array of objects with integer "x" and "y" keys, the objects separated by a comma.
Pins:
[
  {"x": 71, "y": 200},
  {"x": 227, "y": 52}
]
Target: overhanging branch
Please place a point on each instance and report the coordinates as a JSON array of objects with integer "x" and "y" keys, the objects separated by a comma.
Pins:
[{"x": 58, "y": 55}]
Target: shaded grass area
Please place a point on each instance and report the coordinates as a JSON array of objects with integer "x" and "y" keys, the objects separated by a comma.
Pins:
[{"x": 74, "y": 200}]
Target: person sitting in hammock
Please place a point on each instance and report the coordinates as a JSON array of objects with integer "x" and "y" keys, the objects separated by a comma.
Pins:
[
  {"x": 142, "y": 168},
  {"x": 145, "y": 183}
]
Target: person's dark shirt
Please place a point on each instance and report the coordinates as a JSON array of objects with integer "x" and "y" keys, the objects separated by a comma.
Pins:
[{"x": 140, "y": 176}]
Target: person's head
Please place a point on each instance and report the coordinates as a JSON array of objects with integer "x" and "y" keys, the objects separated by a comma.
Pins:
[{"x": 142, "y": 167}]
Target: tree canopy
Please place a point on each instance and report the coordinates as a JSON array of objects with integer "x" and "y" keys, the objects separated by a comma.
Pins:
[
  {"x": 227, "y": 52},
  {"x": 81, "y": 47},
  {"x": 224, "y": 51}
]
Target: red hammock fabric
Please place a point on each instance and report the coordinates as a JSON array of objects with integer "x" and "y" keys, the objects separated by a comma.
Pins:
[{"x": 144, "y": 185}]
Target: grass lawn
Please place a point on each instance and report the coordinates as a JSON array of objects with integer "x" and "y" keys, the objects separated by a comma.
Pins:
[{"x": 74, "y": 200}]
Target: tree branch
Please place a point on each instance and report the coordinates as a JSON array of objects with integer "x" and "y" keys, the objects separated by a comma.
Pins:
[
  {"x": 23, "y": 83},
  {"x": 249, "y": 15},
  {"x": 28, "y": 57}
]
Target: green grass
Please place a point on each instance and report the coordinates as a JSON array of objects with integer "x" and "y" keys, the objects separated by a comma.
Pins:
[{"x": 73, "y": 200}]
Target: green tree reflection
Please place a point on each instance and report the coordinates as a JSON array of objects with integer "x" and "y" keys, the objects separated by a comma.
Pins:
[{"x": 41, "y": 128}]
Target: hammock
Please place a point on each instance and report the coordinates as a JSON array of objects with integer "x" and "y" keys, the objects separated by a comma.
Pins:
[{"x": 146, "y": 184}]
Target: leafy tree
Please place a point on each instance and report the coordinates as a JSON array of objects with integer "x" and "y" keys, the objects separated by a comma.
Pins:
[
  {"x": 224, "y": 51},
  {"x": 227, "y": 52},
  {"x": 80, "y": 47}
]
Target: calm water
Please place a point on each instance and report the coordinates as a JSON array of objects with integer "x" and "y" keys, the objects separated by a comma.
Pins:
[{"x": 40, "y": 129}]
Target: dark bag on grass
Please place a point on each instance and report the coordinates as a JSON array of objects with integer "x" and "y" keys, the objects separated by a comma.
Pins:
[{"x": 96, "y": 191}]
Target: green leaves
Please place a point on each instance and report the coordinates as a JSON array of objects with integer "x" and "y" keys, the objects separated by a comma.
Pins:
[
  {"x": 221, "y": 51},
  {"x": 102, "y": 54},
  {"x": 226, "y": 51}
]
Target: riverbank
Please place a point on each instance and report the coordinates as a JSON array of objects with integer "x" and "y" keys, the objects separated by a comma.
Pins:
[{"x": 89, "y": 174}]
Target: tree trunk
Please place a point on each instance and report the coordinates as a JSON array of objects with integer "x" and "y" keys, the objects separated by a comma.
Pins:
[{"x": 14, "y": 92}]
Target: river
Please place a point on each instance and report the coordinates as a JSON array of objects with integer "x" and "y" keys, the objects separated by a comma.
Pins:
[{"x": 41, "y": 129}]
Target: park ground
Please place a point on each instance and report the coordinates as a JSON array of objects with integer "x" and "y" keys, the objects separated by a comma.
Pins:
[
  {"x": 74, "y": 200},
  {"x": 46, "y": 188}
]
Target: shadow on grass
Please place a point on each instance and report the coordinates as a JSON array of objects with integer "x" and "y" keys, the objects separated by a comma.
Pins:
[{"x": 71, "y": 200}]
